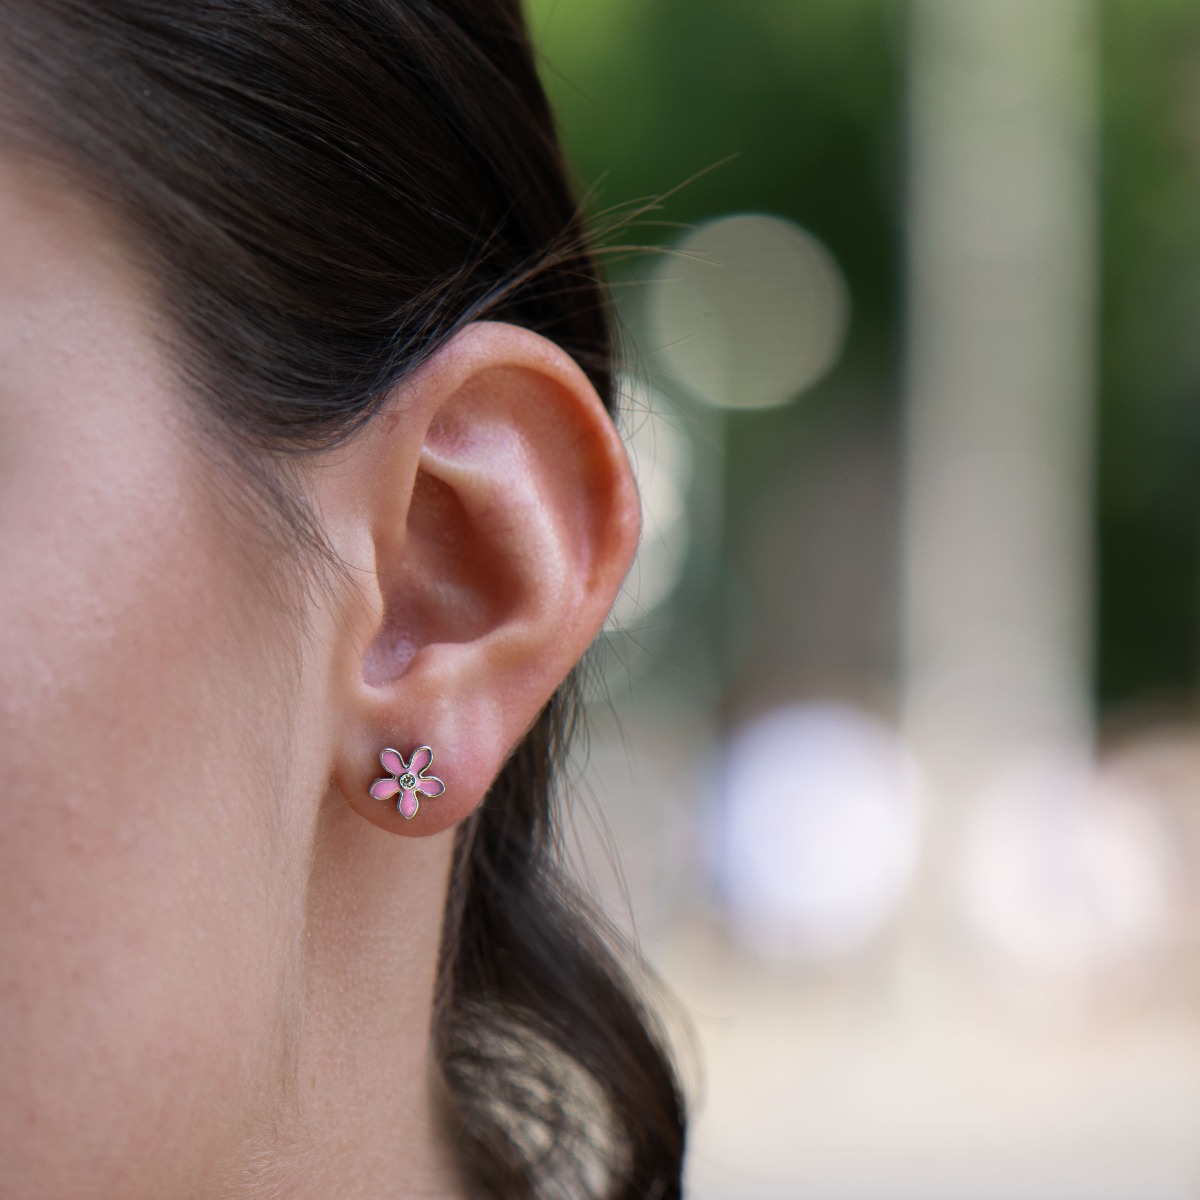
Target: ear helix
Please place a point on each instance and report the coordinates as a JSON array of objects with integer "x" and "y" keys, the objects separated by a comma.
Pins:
[{"x": 407, "y": 781}]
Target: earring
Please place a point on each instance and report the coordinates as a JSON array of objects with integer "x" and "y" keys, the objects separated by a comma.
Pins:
[{"x": 408, "y": 779}]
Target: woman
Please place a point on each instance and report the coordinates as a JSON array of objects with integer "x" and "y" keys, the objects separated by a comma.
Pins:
[{"x": 306, "y": 467}]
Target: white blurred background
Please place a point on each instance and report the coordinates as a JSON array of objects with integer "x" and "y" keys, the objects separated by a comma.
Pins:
[{"x": 894, "y": 731}]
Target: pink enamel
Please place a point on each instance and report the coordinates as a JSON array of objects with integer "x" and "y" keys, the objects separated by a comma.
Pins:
[
  {"x": 392, "y": 762},
  {"x": 407, "y": 804},
  {"x": 431, "y": 785},
  {"x": 384, "y": 789},
  {"x": 422, "y": 757}
]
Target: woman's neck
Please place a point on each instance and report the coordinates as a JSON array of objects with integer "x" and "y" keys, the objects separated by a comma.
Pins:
[{"x": 356, "y": 1114}]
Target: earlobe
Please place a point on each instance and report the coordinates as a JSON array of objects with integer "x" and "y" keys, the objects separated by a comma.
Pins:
[{"x": 492, "y": 510}]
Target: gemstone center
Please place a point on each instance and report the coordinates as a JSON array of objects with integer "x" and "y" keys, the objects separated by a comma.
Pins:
[{"x": 408, "y": 781}]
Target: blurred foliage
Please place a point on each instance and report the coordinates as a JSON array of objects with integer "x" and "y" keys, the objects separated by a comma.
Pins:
[
  {"x": 1149, "y": 432},
  {"x": 809, "y": 97}
]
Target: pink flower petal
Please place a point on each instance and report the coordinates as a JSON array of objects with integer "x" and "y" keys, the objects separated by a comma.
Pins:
[
  {"x": 407, "y": 804},
  {"x": 393, "y": 762},
  {"x": 384, "y": 789},
  {"x": 431, "y": 785},
  {"x": 421, "y": 758}
]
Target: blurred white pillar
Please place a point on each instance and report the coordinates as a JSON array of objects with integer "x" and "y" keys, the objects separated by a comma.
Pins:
[{"x": 1002, "y": 275}]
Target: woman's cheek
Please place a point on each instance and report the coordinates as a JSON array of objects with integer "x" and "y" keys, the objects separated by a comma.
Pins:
[{"x": 139, "y": 704}]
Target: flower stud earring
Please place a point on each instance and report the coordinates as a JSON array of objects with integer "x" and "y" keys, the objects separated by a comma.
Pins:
[{"x": 407, "y": 779}]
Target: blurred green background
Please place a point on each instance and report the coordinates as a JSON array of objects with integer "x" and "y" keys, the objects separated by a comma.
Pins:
[{"x": 809, "y": 96}]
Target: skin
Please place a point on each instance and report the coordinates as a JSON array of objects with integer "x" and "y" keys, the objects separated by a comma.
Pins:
[{"x": 216, "y": 950}]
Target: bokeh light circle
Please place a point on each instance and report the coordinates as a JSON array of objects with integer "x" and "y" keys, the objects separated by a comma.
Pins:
[
  {"x": 818, "y": 830},
  {"x": 661, "y": 456},
  {"x": 1065, "y": 869},
  {"x": 748, "y": 311}
]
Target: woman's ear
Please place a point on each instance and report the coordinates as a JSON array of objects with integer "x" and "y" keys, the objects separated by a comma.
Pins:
[{"x": 489, "y": 516}]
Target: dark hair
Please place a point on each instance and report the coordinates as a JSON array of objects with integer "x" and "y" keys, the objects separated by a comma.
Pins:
[{"x": 324, "y": 192}]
